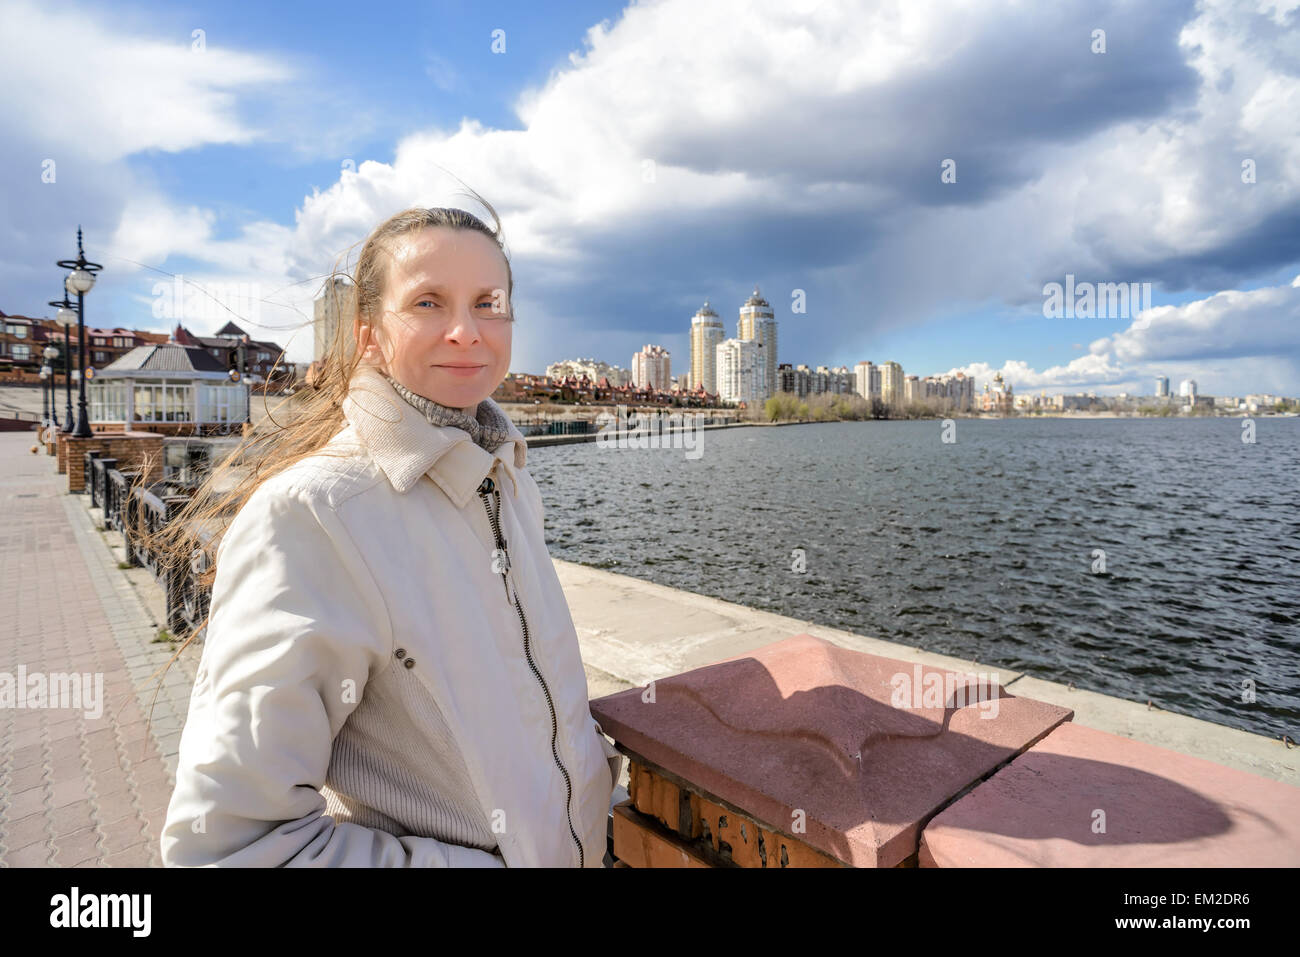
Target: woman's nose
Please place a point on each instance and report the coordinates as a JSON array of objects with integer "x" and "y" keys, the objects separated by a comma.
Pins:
[{"x": 463, "y": 327}]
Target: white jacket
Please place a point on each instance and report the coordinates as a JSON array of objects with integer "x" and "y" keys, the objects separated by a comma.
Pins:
[{"x": 371, "y": 584}]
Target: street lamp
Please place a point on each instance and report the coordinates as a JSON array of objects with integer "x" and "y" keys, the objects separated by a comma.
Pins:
[
  {"x": 45, "y": 401},
  {"x": 65, "y": 317},
  {"x": 248, "y": 384},
  {"x": 80, "y": 281},
  {"x": 48, "y": 403}
]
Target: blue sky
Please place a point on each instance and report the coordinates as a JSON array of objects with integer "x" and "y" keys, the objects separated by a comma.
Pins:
[{"x": 647, "y": 157}]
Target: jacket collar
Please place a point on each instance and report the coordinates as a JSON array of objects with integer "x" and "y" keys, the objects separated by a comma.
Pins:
[{"x": 405, "y": 445}]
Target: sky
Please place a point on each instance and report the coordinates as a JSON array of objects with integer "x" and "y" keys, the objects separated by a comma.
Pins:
[{"x": 914, "y": 174}]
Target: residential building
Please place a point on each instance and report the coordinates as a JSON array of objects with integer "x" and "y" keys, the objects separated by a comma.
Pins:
[
  {"x": 891, "y": 384},
  {"x": 706, "y": 334},
  {"x": 758, "y": 323},
  {"x": 739, "y": 371},
  {"x": 652, "y": 368}
]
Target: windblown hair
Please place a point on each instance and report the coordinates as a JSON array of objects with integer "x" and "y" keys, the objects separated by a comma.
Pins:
[{"x": 193, "y": 535}]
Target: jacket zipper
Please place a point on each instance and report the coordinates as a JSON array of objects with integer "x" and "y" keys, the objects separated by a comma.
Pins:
[{"x": 489, "y": 486}]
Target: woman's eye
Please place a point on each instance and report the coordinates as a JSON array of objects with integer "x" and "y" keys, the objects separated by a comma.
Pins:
[{"x": 424, "y": 302}]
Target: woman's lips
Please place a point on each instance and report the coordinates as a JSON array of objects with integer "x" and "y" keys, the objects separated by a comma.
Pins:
[{"x": 463, "y": 371}]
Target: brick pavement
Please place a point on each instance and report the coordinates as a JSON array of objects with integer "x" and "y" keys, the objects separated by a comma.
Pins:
[{"x": 78, "y": 789}]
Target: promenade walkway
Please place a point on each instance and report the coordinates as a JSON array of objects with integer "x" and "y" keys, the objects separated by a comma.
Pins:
[{"x": 80, "y": 786}]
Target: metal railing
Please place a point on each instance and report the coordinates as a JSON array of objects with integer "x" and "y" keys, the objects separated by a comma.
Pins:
[{"x": 136, "y": 509}]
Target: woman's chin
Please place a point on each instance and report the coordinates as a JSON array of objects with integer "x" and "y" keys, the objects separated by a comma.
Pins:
[{"x": 456, "y": 398}]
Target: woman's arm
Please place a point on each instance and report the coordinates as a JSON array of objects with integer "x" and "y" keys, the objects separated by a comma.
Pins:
[{"x": 297, "y": 628}]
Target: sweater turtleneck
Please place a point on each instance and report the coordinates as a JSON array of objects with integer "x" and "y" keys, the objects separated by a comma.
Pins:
[{"x": 488, "y": 428}]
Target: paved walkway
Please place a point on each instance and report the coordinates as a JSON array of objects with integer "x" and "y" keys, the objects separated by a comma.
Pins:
[{"x": 79, "y": 786}]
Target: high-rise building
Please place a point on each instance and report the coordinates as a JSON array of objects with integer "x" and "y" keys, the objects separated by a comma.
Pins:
[
  {"x": 955, "y": 392},
  {"x": 652, "y": 368},
  {"x": 912, "y": 389},
  {"x": 739, "y": 369},
  {"x": 891, "y": 384},
  {"x": 792, "y": 380},
  {"x": 336, "y": 302},
  {"x": 758, "y": 323},
  {"x": 866, "y": 380},
  {"x": 1187, "y": 389},
  {"x": 706, "y": 334},
  {"x": 1162, "y": 387}
]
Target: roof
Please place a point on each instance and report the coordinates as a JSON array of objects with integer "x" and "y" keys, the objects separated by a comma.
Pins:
[
  {"x": 166, "y": 357},
  {"x": 227, "y": 338}
]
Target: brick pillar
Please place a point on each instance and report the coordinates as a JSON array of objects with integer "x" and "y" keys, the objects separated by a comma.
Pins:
[
  {"x": 667, "y": 824},
  {"x": 72, "y": 458},
  {"x": 131, "y": 449}
]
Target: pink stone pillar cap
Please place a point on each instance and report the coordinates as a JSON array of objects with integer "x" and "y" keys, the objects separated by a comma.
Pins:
[{"x": 849, "y": 752}]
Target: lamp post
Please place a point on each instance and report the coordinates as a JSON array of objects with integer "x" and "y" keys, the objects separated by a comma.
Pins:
[
  {"x": 65, "y": 317},
  {"x": 248, "y": 385},
  {"x": 48, "y": 403},
  {"x": 45, "y": 400},
  {"x": 80, "y": 281},
  {"x": 234, "y": 377}
]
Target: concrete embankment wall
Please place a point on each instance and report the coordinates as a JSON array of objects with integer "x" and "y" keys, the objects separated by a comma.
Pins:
[{"x": 632, "y": 632}]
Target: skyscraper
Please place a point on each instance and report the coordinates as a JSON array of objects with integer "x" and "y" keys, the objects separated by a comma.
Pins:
[
  {"x": 866, "y": 379},
  {"x": 1187, "y": 389},
  {"x": 757, "y": 323},
  {"x": 706, "y": 333},
  {"x": 891, "y": 384},
  {"x": 1162, "y": 387}
]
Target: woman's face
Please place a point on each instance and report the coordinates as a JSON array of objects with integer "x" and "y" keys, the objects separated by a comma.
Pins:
[{"x": 446, "y": 324}]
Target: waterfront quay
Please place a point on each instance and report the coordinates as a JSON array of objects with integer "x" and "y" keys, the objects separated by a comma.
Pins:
[{"x": 88, "y": 786}]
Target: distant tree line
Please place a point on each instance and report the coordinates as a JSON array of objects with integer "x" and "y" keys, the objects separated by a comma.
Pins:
[{"x": 829, "y": 407}]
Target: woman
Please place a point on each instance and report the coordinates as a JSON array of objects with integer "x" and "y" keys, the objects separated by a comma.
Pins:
[{"x": 390, "y": 675}]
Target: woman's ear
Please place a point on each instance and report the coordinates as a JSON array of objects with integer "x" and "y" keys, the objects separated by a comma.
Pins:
[{"x": 363, "y": 335}]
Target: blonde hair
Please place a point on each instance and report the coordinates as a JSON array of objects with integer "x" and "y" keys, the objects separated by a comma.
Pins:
[{"x": 194, "y": 533}]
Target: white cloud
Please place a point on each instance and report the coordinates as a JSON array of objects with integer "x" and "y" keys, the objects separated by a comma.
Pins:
[
  {"x": 88, "y": 86},
  {"x": 1227, "y": 325},
  {"x": 1223, "y": 341}
]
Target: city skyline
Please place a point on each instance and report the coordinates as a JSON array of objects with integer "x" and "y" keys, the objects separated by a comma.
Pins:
[{"x": 248, "y": 151}]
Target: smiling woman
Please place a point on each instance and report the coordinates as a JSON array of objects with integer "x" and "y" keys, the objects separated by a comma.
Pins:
[
  {"x": 390, "y": 674},
  {"x": 442, "y": 327}
]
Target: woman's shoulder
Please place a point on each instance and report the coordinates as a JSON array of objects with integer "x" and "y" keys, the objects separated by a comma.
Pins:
[
  {"x": 329, "y": 476},
  {"x": 300, "y": 498}
]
